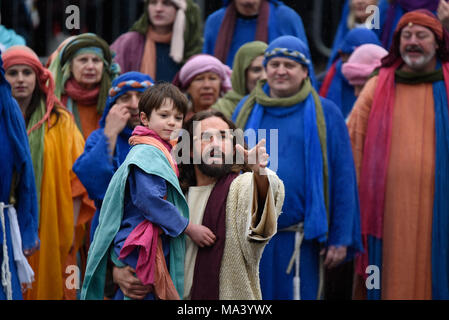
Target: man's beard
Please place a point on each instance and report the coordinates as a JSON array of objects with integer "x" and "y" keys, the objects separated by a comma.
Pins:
[
  {"x": 420, "y": 62},
  {"x": 215, "y": 171}
]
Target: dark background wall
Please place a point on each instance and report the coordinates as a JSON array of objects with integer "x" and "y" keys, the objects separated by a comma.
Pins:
[{"x": 110, "y": 18}]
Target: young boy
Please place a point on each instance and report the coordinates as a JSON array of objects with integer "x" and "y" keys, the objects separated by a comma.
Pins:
[{"x": 144, "y": 213}]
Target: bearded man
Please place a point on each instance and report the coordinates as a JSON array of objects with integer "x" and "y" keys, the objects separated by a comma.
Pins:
[{"x": 399, "y": 131}]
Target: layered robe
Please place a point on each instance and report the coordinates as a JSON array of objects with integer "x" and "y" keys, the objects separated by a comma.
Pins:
[
  {"x": 63, "y": 143},
  {"x": 246, "y": 235},
  {"x": 404, "y": 253},
  {"x": 344, "y": 228}
]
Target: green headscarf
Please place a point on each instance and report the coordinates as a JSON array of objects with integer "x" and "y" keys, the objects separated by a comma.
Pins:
[
  {"x": 242, "y": 60},
  {"x": 60, "y": 66},
  {"x": 193, "y": 34}
]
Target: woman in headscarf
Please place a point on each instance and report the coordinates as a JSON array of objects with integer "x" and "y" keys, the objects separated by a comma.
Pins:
[
  {"x": 167, "y": 34},
  {"x": 204, "y": 79},
  {"x": 55, "y": 144},
  {"x": 361, "y": 64},
  {"x": 247, "y": 69},
  {"x": 355, "y": 15},
  {"x": 83, "y": 70},
  {"x": 335, "y": 87},
  {"x": 18, "y": 203}
]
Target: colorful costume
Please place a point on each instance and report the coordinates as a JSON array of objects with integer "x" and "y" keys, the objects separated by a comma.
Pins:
[
  {"x": 316, "y": 206},
  {"x": 242, "y": 60},
  {"x": 95, "y": 167},
  {"x": 112, "y": 215},
  {"x": 225, "y": 31},
  {"x": 399, "y": 132},
  {"x": 161, "y": 57},
  {"x": 55, "y": 143},
  {"x": 17, "y": 188},
  {"x": 335, "y": 87}
]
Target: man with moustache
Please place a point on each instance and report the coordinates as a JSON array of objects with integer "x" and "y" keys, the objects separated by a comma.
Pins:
[
  {"x": 106, "y": 148},
  {"x": 399, "y": 131},
  {"x": 240, "y": 203},
  {"x": 242, "y": 21}
]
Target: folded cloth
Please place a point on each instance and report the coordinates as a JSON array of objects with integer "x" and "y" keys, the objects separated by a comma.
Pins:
[{"x": 151, "y": 267}]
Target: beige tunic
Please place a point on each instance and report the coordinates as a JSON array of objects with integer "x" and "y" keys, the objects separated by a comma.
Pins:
[{"x": 245, "y": 237}]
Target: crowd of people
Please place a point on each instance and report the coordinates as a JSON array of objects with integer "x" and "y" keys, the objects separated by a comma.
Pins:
[{"x": 209, "y": 162}]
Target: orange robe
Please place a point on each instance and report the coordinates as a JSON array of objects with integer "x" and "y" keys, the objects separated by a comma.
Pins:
[
  {"x": 407, "y": 224},
  {"x": 63, "y": 143}
]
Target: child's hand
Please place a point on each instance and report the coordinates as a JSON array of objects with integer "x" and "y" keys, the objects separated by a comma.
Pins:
[{"x": 200, "y": 234}]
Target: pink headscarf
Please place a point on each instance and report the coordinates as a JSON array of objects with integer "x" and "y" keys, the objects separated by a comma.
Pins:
[
  {"x": 201, "y": 63},
  {"x": 362, "y": 62}
]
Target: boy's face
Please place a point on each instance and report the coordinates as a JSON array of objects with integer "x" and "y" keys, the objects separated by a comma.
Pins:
[{"x": 165, "y": 121}]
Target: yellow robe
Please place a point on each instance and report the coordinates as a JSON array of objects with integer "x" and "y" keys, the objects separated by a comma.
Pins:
[{"x": 63, "y": 144}]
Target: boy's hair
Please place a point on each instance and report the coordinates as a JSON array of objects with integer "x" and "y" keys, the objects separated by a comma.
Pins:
[{"x": 154, "y": 96}]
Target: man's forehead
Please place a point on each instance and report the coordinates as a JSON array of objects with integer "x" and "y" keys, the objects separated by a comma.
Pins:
[
  {"x": 413, "y": 27},
  {"x": 284, "y": 60},
  {"x": 212, "y": 124}
]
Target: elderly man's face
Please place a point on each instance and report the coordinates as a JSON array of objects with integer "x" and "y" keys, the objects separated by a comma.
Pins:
[
  {"x": 248, "y": 7},
  {"x": 213, "y": 144},
  {"x": 285, "y": 77},
  {"x": 418, "y": 47}
]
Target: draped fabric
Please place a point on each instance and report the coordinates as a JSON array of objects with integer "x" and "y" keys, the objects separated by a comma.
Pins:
[
  {"x": 112, "y": 213},
  {"x": 242, "y": 60},
  {"x": 15, "y": 158},
  {"x": 376, "y": 164}
]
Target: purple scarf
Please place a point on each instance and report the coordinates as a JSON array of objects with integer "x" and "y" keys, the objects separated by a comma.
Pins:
[{"x": 206, "y": 276}]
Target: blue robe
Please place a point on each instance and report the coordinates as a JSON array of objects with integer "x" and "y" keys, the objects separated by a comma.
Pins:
[
  {"x": 144, "y": 199},
  {"x": 95, "y": 167},
  {"x": 283, "y": 20},
  {"x": 343, "y": 29},
  {"x": 15, "y": 156},
  {"x": 341, "y": 92},
  {"x": 344, "y": 227}
]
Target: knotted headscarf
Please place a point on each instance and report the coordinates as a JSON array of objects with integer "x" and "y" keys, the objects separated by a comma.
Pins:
[{"x": 60, "y": 65}]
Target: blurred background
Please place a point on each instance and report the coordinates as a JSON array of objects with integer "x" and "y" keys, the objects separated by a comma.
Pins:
[{"x": 42, "y": 22}]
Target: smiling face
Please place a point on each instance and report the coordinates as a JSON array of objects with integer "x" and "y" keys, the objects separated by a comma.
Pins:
[
  {"x": 162, "y": 14},
  {"x": 285, "y": 77},
  {"x": 87, "y": 69},
  {"x": 22, "y": 79},
  {"x": 204, "y": 90},
  {"x": 165, "y": 120},
  {"x": 418, "y": 48}
]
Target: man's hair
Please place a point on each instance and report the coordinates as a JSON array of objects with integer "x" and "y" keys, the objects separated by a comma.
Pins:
[
  {"x": 153, "y": 97},
  {"x": 187, "y": 176}
]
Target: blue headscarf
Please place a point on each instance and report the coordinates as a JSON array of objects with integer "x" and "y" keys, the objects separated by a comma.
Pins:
[
  {"x": 26, "y": 205},
  {"x": 292, "y": 48},
  {"x": 340, "y": 91},
  {"x": 130, "y": 81}
]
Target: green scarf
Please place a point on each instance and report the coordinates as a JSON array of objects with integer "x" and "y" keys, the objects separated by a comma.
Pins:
[
  {"x": 193, "y": 34},
  {"x": 36, "y": 141},
  {"x": 242, "y": 60},
  {"x": 111, "y": 215},
  {"x": 259, "y": 96}
]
